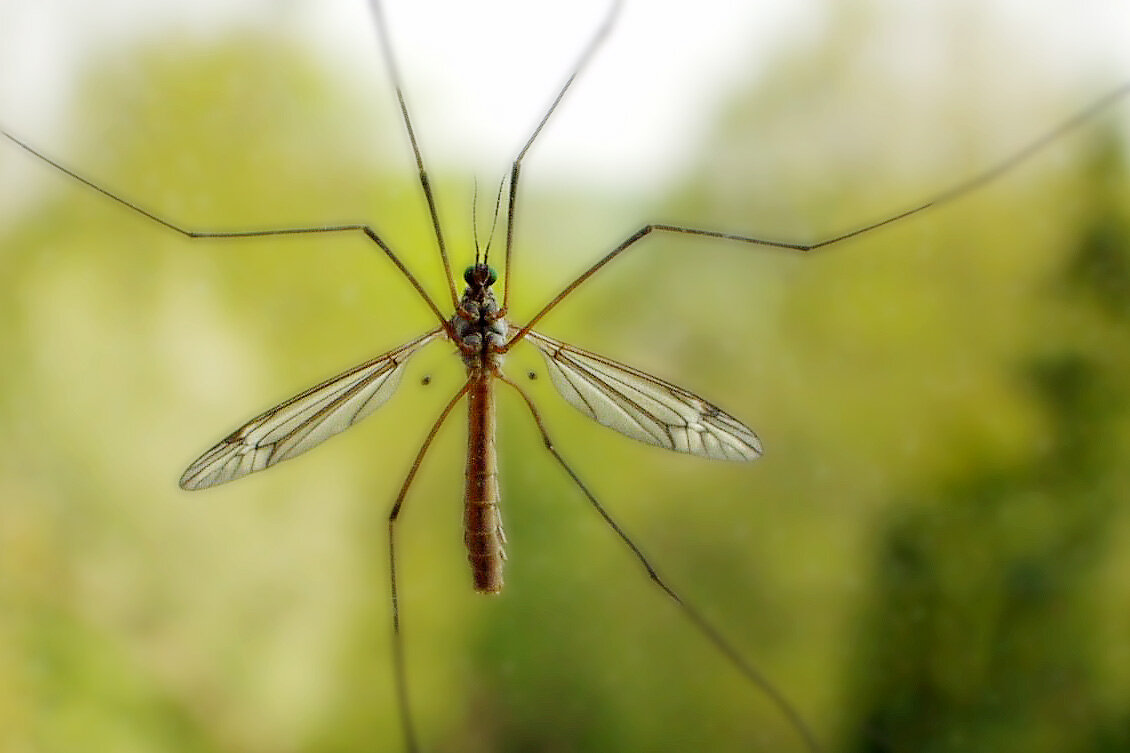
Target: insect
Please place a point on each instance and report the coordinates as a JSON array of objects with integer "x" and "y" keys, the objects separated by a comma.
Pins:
[{"x": 621, "y": 397}]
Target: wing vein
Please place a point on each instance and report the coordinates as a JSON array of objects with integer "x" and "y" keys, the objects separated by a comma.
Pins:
[
  {"x": 642, "y": 406},
  {"x": 305, "y": 420}
]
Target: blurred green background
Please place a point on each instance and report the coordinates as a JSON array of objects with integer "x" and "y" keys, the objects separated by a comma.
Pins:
[{"x": 931, "y": 556}]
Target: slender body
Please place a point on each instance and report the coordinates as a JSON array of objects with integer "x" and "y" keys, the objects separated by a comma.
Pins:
[
  {"x": 482, "y": 521},
  {"x": 481, "y": 335}
]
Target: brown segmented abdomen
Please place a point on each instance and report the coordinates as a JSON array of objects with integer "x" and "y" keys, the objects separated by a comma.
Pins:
[{"x": 482, "y": 522}]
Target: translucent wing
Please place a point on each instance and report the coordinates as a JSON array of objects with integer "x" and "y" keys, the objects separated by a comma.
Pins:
[
  {"x": 305, "y": 420},
  {"x": 644, "y": 407}
]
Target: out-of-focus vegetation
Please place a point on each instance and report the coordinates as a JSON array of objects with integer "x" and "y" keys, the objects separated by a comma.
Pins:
[{"x": 930, "y": 557}]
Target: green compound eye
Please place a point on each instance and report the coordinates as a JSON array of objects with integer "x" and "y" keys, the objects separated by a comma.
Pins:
[{"x": 469, "y": 274}]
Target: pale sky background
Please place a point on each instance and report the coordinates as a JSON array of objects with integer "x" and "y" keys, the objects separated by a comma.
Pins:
[{"x": 479, "y": 73}]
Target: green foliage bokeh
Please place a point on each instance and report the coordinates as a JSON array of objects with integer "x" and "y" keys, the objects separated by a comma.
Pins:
[{"x": 930, "y": 557}]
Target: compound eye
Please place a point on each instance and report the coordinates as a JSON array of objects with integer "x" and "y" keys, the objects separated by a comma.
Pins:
[
  {"x": 492, "y": 276},
  {"x": 468, "y": 274}
]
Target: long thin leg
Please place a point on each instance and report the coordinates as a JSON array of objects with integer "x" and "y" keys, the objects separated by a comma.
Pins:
[
  {"x": 958, "y": 189},
  {"x": 512, "y": 199},
  {"x": 425, "y": 184},
  {"x": 365, "y": 229},
  {"x": 410, "y": 743},
  {"x": 711, "y": 633}
]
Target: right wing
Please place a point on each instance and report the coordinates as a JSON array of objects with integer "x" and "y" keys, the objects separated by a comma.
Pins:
[
  {"x": 642, "y": 406},
  {"x": 305, "y": 420}
]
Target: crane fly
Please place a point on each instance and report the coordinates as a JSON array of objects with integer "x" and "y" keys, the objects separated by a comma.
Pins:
[{"x": 630, "y": 401}]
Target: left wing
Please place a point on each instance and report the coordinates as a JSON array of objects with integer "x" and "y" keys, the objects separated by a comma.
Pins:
[
  {"x": 304, "y": 421},
  {"x": 644, "y": 407}
]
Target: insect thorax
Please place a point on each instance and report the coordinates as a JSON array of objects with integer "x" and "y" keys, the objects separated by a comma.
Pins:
[{"x": 479, "y": 329}]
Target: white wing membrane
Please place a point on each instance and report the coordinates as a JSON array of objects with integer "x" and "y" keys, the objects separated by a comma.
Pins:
[
  {"x": 305, "y": 420},
  {"x": 644, "y": 407}
]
